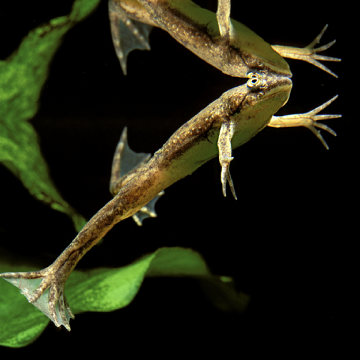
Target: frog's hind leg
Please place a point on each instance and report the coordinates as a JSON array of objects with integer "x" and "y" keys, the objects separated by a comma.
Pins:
[
  {"x": 126, "y": 165},
  {"x": 308, "y": 120},
  {"x": 127, "y": 34}
]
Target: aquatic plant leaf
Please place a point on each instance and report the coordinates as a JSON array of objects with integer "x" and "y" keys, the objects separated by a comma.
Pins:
[
  {"x": 106, "y": 290},
  {"x": 22, "y": 76}
]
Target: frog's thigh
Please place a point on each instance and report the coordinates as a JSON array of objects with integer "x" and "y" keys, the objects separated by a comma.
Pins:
[{"x": 224, "y": 145}]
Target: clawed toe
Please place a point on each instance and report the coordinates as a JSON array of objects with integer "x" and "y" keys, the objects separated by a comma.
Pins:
[
  {"x": 309, "y": 53},
  {"x": 147, "y": 211},
  {"x": 226, "y": 177},
  {"x": 312, "y": 56},
  {"x": 308, "y": 120},
  {"x": 42, "y": 290}
]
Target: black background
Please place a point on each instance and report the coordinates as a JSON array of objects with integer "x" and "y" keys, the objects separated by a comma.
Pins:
[{"x": 285, "y": 241}]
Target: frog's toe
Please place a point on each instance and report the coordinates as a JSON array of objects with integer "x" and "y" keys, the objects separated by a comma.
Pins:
[
  {"x": 45, "y": 291},
  {"x": 148, "y": 210},
  {"x": 225, "y": 175},
  {"x": 308, "y": 120},
  {"x": 309, "y": 53},
  {"x": 57, "y": 306}
]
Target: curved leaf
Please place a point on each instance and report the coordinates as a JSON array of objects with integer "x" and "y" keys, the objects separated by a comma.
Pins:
[
  {"x": 111, "y": 289},
  {"x": 22, "y": 76}
]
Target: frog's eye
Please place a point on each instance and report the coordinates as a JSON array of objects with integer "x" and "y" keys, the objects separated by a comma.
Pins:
[{"x": 255, "y": 80}]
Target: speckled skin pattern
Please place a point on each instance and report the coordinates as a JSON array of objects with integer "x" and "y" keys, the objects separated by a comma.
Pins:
[{"x": 228, "y": 122}]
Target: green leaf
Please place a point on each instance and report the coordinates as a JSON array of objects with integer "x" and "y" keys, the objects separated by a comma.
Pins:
[
  {"x": 22, "y": 76},
  {"x": 110, "y": 289}
]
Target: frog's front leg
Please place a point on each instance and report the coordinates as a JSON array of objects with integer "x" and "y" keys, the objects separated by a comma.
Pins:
[
  {"x": 308, "y": 120},
  {"x": 308, "y": 53},
  {"x": 227, "y": 131},
  {"x": 223, "y": 18},
  {"x": 126, "y": 165}
]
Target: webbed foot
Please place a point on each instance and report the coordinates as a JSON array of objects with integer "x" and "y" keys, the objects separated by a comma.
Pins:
[
  {"x": 148, "y": 210},
  {"x": 126, "y": 164},
  {"x": 224, "y": 144},
  {"x": 127, "y": 34},
  {"x": 308, "y": 120},
  {"x": 45, "y": 290},
  {"x": 309, "y": 53}
]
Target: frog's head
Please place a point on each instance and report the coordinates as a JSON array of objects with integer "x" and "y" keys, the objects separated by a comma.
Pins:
[
  {"x": 262, "y": 96},
  {"x": 266, "y": 92}
]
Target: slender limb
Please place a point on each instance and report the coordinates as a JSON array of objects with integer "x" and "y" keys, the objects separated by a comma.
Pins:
[
  {"x": 309, "y": 53},
  {"x": 308, "y": 120},
  {"x": 223, "y": 18},
  {"x": 227, "y": 131}
]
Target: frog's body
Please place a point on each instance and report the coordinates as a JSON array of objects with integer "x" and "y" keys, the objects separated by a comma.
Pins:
[
  {"x": 227, "y": 45},
  {"x": 225, "y": 124},
  {"x": 196, "y": 142}
]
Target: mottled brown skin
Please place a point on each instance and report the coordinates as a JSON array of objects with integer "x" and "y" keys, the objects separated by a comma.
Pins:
[
  {"x": 200, "y": 34},
  {"x": 134, "y": 10}
]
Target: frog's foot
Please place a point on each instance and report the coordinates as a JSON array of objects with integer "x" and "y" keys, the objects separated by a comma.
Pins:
[
  {"x": 45, "y": 290},
  {"x": 224, "y": 144},
  {"x": 309, "y": 53},
  {"x": 148, "y": 210},
  {"x": 308, "y": 120},
  {"x": 126, "y": 164},
  {"x": 127, "y": 34}
]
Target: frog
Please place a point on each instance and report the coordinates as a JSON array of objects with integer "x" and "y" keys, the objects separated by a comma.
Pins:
[
  {"x": 224, "y": 125},
  {"x": 209, "y": 37}
]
